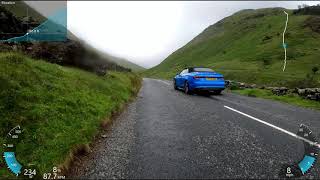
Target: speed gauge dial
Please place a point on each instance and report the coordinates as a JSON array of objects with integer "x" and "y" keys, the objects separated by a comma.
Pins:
[
  {"x": 311, "y": 149},
  {"x": 9, "y": 155}
]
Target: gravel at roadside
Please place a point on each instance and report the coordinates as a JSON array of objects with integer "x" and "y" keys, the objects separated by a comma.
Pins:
[{"x": 110, "y": 156}]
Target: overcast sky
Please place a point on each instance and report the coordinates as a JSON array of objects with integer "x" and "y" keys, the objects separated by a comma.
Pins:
[{"x": 147, "y": 32}]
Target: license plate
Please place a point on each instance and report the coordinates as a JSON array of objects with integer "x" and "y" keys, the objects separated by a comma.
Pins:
[{"x": 211, "y": 79}]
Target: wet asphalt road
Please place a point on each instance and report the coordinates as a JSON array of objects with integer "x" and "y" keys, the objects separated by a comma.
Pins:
[{"x": 168, "y": 134}]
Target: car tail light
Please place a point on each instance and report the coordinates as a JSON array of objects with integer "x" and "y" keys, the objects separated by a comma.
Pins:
[{"x": 196, "y": 77}]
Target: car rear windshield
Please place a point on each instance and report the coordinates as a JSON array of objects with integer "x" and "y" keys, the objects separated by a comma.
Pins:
[{"x": 202, "y": 70}]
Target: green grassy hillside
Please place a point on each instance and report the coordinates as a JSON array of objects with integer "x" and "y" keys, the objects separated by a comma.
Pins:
[
  {"x": 247, "y": 47},
  {"x": 57, "y": 107}
]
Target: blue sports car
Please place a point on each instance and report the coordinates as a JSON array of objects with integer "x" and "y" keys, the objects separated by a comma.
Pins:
[{"x": 199, "y": 79}]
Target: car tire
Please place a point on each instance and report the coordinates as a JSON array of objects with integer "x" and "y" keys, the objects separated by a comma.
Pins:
[
  {"x": 175, "y": 85},
  {"x": 207, "y": 93},
  {"x": 187, "y": 88},
  {"x": 216, "y": 92}
]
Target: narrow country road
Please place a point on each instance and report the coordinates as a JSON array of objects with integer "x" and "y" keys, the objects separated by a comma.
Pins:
[{"x": 168, "y": 134}]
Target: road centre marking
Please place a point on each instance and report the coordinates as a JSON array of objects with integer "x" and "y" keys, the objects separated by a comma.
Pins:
[{"x": 275, "y": 127}]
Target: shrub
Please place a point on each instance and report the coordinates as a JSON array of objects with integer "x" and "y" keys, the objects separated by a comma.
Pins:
[
  {"x": 234, "y": 86},
  {"x": 315, "y": 69}
]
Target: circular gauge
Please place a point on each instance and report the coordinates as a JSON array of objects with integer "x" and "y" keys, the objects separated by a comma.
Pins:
[
  {"x": 9, "y": 154},
  {"x": 311, "y": 149}
]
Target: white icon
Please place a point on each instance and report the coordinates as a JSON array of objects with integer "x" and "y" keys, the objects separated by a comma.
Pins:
[{"x": 288, "y": 170}]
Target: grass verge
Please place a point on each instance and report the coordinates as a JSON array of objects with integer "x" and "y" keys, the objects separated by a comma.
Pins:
[
  {"x": 293, "y": 99},
  {"x": 60, "y": 109}
]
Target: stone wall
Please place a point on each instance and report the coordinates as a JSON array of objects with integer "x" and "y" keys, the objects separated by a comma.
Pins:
[{"x": 307, "y": 93}]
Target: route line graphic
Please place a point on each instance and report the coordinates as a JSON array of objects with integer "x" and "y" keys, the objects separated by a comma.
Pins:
[{"x": 285, "y": 44}]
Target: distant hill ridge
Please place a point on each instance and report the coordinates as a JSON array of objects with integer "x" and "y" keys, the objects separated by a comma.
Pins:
[{"x": 247, "y": 46}]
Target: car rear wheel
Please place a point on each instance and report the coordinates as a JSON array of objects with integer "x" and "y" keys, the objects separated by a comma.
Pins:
[
  {"x": 175, "y": 85},
  {"x": 187, "y": 88}
]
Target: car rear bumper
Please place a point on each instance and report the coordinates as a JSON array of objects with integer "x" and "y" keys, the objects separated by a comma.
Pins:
[{"x": 208, "y": 86}]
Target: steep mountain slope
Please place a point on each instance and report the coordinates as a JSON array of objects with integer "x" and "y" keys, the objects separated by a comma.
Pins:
[
  {"x": 18, "y": 11},
  {"x": 125, "y": 63},
  {"x": 120, "y": 61},
  {"x": 247, "y": 46}
]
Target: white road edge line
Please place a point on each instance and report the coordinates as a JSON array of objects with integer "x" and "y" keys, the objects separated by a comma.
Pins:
[{"x": 275, "y": 127}]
